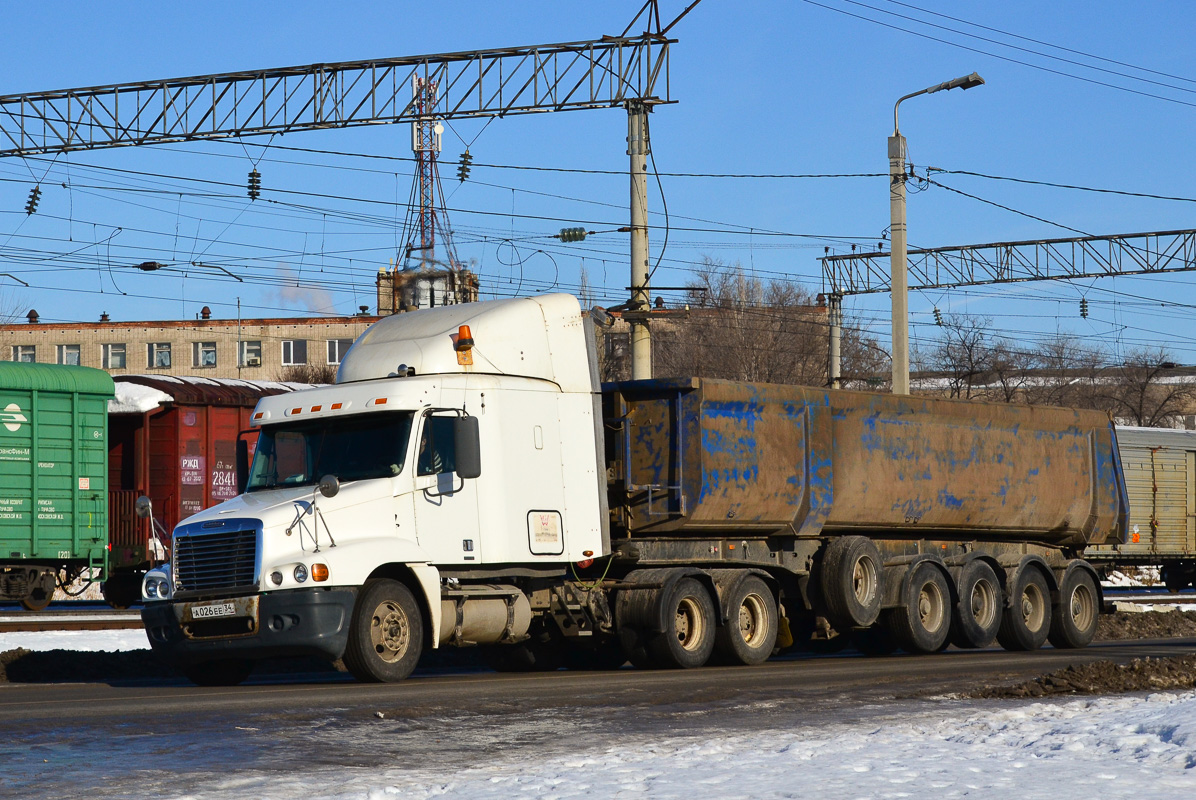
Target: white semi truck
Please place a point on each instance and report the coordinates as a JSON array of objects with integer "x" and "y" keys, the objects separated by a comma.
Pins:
[{"x": 468, "y": 481}]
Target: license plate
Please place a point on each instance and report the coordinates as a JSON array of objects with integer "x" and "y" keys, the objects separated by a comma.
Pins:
[{"x": 214, "y": 610}]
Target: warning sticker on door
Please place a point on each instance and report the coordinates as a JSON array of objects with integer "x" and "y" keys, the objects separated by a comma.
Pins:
[{"x": 545, "y": 533}]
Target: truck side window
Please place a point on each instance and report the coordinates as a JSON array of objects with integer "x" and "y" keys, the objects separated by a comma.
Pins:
[{"x": 437, "y": 452}]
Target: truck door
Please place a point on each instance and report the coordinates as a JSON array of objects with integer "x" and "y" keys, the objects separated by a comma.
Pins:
[{"x": 446, "y": 505}]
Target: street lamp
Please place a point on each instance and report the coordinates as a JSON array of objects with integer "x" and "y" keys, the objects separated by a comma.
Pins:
[{"x": 899, "y": 280}]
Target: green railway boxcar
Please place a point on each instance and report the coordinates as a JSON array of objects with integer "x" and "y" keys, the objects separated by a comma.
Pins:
[{"x": 53, "y": 477}]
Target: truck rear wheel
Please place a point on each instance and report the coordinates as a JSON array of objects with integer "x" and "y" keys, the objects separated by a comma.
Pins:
[
  {"x": 225, "y": 672},
  {"x": 751, "y": 630},
  {"x": 923, "y": 620},
  {"x": 977, "y": 615},
  {"x": 1026, "y": 621},
  {"x": 850, "y": 576},
  {"x": 386, "y": 636},
  {"x": 688, "y": 638},
  {"x": 1073, "y": 621}
]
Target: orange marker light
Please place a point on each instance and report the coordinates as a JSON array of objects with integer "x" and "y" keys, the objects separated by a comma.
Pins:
[
  {"x": 296, "y": 410},
  {"x": 379, "y": 401},
  {"x": 319, "y": 572},
  {"x": 314, "y": 409},
  {"x": 336, "y": 406},
  {"x": 259, "y": 415}
]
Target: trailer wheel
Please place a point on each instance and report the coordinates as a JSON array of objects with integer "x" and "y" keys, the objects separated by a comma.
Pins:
[
  {"x": 386, "y": 636},
  {"x": 751, "y": 630},
  {"x": 977, "y": 615},
  {"x": 225, "y": 672},
  {"x": 1026, "y": 621},
  {"x": 923, "y": 620},
  {"x": 1073, "y": 621},
  {"x": 688, "y": 638},
  {"x": 851, "y": 582}
]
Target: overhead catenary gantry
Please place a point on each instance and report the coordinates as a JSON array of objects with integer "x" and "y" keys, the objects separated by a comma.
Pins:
[
  {"x": 628, "y": 70},
  {"x": 1005, "y": 262}
]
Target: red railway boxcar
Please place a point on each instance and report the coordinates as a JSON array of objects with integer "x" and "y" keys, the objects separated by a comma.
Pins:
[{"x": 172, "y": 439}]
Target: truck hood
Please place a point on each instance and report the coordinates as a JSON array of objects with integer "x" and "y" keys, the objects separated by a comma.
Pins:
[{"x": 278, "y": 506}]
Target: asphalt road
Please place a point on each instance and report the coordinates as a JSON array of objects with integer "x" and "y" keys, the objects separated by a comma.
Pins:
[{"x": 793, "y": 680}]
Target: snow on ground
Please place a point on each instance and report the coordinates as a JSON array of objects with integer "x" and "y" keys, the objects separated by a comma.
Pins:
[
  {"x": 88, "y": 641},
  {"x": 1124, "y": 747}
]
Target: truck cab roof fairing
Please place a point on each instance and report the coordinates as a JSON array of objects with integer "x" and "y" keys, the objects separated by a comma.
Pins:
[{"x": 508, "y": 341}]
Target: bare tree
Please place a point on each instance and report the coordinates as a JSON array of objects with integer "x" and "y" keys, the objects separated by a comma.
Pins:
[
  {"x": 1138, "y": 393},
  {"x": 965, "y": 355},
  {"x": 1065, "y": 373},
  {"x": 309, "y": 373},
  {"x": 742, "y": 328}
]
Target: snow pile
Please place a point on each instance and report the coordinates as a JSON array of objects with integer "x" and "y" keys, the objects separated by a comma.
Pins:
[
  {"x": 84, "y": 641},
  {"x": 133, "y": 398}
]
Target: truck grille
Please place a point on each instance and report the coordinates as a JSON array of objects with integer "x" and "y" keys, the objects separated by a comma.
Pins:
[{"x": 215, "y": 560}]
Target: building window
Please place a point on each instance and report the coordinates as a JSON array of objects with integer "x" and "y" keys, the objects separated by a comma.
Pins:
[
  {"x": 294, "y": 352},
  {"x": 24, "y": 352},
  {"x": 203, "y": 354},
  {"x": 337, "y": 349},
  {"x": 251, "y": 354},
  {"x": 68, "y": 354},
  {"x": 158, "y": 355},
  {"x": 113, "y": 356}
]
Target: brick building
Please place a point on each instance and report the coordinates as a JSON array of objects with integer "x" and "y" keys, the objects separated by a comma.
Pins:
[{"x": 253, "y": 349}]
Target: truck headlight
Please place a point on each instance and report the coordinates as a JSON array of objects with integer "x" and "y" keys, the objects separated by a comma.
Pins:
[
  {"x": 300, "y": 573},
  {"x": 156, "y": 588}
]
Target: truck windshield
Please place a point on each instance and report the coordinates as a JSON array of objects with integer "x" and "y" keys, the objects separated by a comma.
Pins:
[{"x": 352, "y": 448}]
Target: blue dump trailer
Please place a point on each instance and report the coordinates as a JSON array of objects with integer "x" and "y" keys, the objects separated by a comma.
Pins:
[
  {"x": 927, "y": 520},
  {"x": 53, "y": 477}
]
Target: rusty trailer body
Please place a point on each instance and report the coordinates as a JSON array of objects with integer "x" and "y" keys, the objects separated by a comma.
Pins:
[
  {"x": 173, "y": 440},
  {"x": 700, "y": 457}
]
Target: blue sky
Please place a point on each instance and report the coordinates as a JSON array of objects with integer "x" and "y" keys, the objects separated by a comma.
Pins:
[{"x": 762, "y": 87}]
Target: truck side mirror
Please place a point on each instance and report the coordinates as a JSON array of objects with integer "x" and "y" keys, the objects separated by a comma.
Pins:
[
  {"x": 242, "y": 464},
  {"x": 467, "y": 443}
]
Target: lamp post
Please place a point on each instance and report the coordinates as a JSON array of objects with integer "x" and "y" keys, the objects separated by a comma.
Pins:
[{"x": 899, "y": 281}]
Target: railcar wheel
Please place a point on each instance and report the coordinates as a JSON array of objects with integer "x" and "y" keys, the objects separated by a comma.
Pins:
[
  {"x": 923, "y": 620},
  {"x": 36, "y": 600},
  {"x": 851, "y": 582},
  {"x": 977, "y": 614},
  {"x": 688, "y": 638},
  {"x": 751, "y": 630},
  {"x": 1026, "y": 621},
  {"x": 225, "y": 672},
  {"x": 386, "y": 635},
  {"x": 1073, "y": 620}
]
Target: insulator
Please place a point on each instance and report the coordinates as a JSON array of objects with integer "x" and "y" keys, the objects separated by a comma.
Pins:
[
  {"x": 255, "y": 185},
  {"x": 1084, "y": 307},
  {"x": 35, "y": 195},
  {"x": 463, "y": 167},
  {"x": 572, "y": 234},
  {"x": 938, "y": 317}
]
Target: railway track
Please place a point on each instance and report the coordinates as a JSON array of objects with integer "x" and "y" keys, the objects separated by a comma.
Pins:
[{"x": 60, "y": 619}]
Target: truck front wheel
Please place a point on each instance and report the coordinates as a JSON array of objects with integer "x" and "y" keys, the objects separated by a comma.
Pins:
[{"x": 386, "y": 636}]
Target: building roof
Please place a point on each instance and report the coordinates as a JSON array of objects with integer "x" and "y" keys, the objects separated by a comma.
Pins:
[{"x": 137, "y": 394}]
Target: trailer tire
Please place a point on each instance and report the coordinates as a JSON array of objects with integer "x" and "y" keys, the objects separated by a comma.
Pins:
[
  {"x": 977, "y": 613},
  {"x": 1026, "y": 620},
  {"x": 688, "y": 638},
  {"x": 923, "y": 620},
  {"x": 386, "y": 635},
  {"x": 225, "y": 672},
  {"x": 751, "y": 631},
  {"x": 1074, "y": 619},
  {"x": 851, "y": 582}
]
